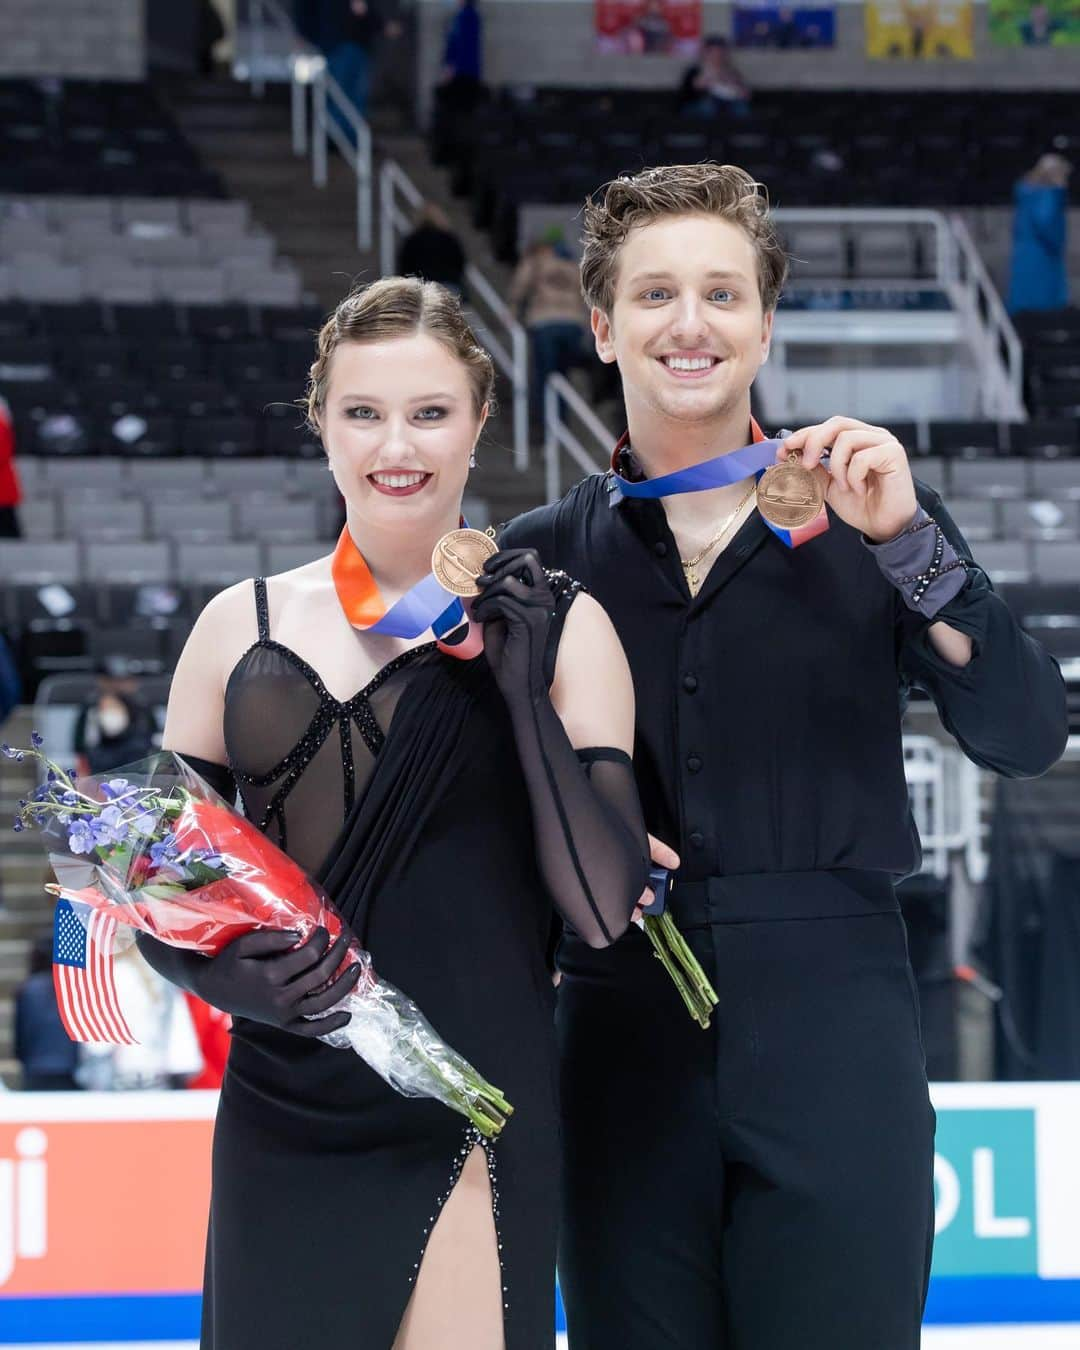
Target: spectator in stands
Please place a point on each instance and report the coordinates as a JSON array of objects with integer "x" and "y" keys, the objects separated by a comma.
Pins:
[
  {"x": 714, "y": 86},
  {"x": 115, "y": 729},
  {"x": 349, "y": 59},
  {"x": 1039, "y": 277},
  {"x": 463, "y": 58},
  {"x": 433, "y": 251},
  {"x": 546, "y": 292},
  {"x": 48, "y": 1057},
  {"x": 10, "y": 491}
]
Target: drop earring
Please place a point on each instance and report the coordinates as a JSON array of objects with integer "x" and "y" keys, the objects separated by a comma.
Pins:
[{"x": 472, "y": 458}]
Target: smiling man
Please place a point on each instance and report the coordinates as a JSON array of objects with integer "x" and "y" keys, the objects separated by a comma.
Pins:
[{"x": 765, "y": 1184}]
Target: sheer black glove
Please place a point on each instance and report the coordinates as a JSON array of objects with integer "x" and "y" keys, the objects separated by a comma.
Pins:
[
  {"x": 264, "y": 976},
  {"x": 517, "y": 608}
]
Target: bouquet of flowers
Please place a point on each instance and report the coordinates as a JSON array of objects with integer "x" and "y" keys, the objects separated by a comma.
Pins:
[{"x": 157, "y": 850}]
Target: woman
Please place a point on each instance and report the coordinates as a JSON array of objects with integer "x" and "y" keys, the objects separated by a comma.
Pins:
[{"x": 443, "y": 807}]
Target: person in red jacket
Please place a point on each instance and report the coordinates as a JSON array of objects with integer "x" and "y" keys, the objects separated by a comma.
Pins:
[{"x": 10, "y": 492}]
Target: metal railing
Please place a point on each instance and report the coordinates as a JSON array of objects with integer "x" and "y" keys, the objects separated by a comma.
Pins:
[
  {"x": 1001, "y": 344},
  {"x": 957, "y": 269},
  {"x": 944, "y": 791},
  {"x": 502, "y": 333},
  {"x": 333, "y": 116},
  {"x": 560, "y": 436}
]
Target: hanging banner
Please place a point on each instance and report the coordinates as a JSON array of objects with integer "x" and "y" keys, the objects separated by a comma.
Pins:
[
  {"x": 783, "y": 29},
  {"x": 919, "y": 30},
  {"x": 649, "y": 27},
  {"x": 1018, "y": 23}
]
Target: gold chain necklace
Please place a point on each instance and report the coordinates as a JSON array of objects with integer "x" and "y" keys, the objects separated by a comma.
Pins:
[{"x": 690, "y": 564}]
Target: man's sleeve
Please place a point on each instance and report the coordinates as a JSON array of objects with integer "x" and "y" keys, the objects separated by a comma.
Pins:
[
  {"x": 535, "y": 529},
  {"x": 1006, "y": 707}
]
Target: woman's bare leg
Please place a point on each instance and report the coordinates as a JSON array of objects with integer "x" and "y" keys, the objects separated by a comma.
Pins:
[{"x": 457, "y": 1300}]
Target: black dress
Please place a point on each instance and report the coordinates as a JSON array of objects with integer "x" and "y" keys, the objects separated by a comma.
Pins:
[{"x": 326, "y": 1182}]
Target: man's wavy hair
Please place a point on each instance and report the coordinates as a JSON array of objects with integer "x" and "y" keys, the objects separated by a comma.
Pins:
[{"x": 708, "y": 189}]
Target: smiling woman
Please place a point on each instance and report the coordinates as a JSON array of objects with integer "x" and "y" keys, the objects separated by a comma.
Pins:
[{"x": 436, "y": 792}]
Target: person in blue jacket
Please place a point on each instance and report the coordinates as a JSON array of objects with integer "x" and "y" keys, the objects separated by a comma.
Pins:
[{"x": 1038, "y": 277}]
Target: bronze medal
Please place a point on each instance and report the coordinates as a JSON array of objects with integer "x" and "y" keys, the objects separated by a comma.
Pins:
[
  {"x": 459, "y": 559},
  {"x": 789, "y": 496}
]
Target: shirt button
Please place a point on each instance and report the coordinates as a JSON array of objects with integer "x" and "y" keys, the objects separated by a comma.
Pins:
[
  {"x": 693, "y": 763},
  {"x": 689, "y": 683},
  {"x": 697, "y": 840},
  {"x": 660, "y": 549}
]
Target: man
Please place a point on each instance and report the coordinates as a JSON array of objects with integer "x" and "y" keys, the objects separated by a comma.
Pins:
[{"x": 765, "y": 1184}]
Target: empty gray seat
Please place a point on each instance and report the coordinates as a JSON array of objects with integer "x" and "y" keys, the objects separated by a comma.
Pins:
[
  {"x": 238, "y": 251},
  {"x": 284, "y": 557},
  {"x": 191, "y": 285},
  {"x": 932, "y": 472},
  {"x": 29, "y": 469},
  {"x": 311, "y": 478},
  {"x": 214, "y": 217},
  {"x": 817, "y": 250},
  {"x": 64, "y": 210},
  {"x": 149, "y": 476},
  {"x": 37, "y": 561},
  {"x": 1041, "y": 518},
  {"x": 259, "y": 287},
  {"x": 166, "y": 249},
  {"x": 134, "y": 563},
  {"x": 976, "y": 517},
  {"x": 263, "y": 477},
  {"x": 278, "y": 521},
  {"x": 156, "y": 210},
  {"x": 988, "y": 478},
  {"x": 1057, "y": 561},
  {"x": 120, "y": 282},
  {"x": 1056, "y": 478},
  {"x": 106, "y": 472},
  {"x": 38, "y": 518},
  {"x": 1005, "y": 560},
  {"x": 191, "y": 520},
  {"x": 884, "y": 251},
  {"x": 21, "y": 235},
  {"x": 102, "y": 520},
  {"x": 46, "y": 280},
  {"x": 216, "y": 564}
]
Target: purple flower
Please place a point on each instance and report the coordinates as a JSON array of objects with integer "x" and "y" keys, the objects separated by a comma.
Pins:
[
  {"x": 37, "y": 740},
  {"x": 109, "y": 827},
  {"x": 164, "y": 851},
  {"x": 18, "y": 827},
  {"x": 70, "y": 798},
  {"x": 114, "y": 788},
  {"x": 7, "y": 751},
  {"x": 208, "y": 858},
  {"x": 145, "y": 822},
  {"x": 80, "y": 837}
]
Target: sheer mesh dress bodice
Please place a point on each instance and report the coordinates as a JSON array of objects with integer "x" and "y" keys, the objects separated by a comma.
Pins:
[{"x": 301, "y": 758}]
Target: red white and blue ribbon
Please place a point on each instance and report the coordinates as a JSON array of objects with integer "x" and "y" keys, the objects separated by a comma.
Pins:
[
  {"x": 754, "y": 458},
  {"x": 427, "y": 605}
]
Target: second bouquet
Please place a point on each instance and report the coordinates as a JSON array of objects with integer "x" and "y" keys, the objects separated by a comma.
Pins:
[{"x": 154, "y": 849}]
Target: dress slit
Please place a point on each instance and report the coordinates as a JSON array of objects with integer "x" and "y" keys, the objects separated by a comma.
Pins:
[{"x": 408, "y": 1337}]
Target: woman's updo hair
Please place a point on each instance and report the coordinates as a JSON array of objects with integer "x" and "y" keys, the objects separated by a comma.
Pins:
[{"x": 400, "y": 307}]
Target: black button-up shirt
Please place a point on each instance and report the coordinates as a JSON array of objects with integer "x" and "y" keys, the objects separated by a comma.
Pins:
[{"x": 769, "y": 705}]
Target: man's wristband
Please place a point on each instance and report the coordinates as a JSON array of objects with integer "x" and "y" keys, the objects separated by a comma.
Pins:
[{"x": 922, "y": 565}]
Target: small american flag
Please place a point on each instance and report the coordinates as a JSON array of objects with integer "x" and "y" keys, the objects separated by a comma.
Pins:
[{"x": 83, "y": 975}]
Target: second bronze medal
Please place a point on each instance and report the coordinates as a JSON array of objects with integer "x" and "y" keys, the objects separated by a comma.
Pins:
[{"x": 789, "y": 496}]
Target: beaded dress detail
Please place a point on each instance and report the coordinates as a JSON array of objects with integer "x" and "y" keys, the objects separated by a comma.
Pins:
[{"x": 406, "y": 801}]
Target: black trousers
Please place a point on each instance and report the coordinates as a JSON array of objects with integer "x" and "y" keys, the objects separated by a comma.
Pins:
[{"x": 765, "y": 1184}]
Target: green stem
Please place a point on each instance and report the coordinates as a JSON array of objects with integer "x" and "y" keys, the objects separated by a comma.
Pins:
[{"x": 657, "y": 936}]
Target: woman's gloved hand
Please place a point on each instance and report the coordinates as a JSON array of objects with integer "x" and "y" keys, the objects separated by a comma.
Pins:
[
  {"x": 266, "y": 977},
  {"x": 516, "y": 605}
]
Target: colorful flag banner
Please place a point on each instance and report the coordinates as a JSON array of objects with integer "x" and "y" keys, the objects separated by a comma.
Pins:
[
  {"x": 649, "y": 27},
  {"x": 919, "y": 30}
]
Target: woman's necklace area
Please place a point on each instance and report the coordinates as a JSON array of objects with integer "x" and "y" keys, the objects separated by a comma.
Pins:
[{"x": 690, "y": 565}]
